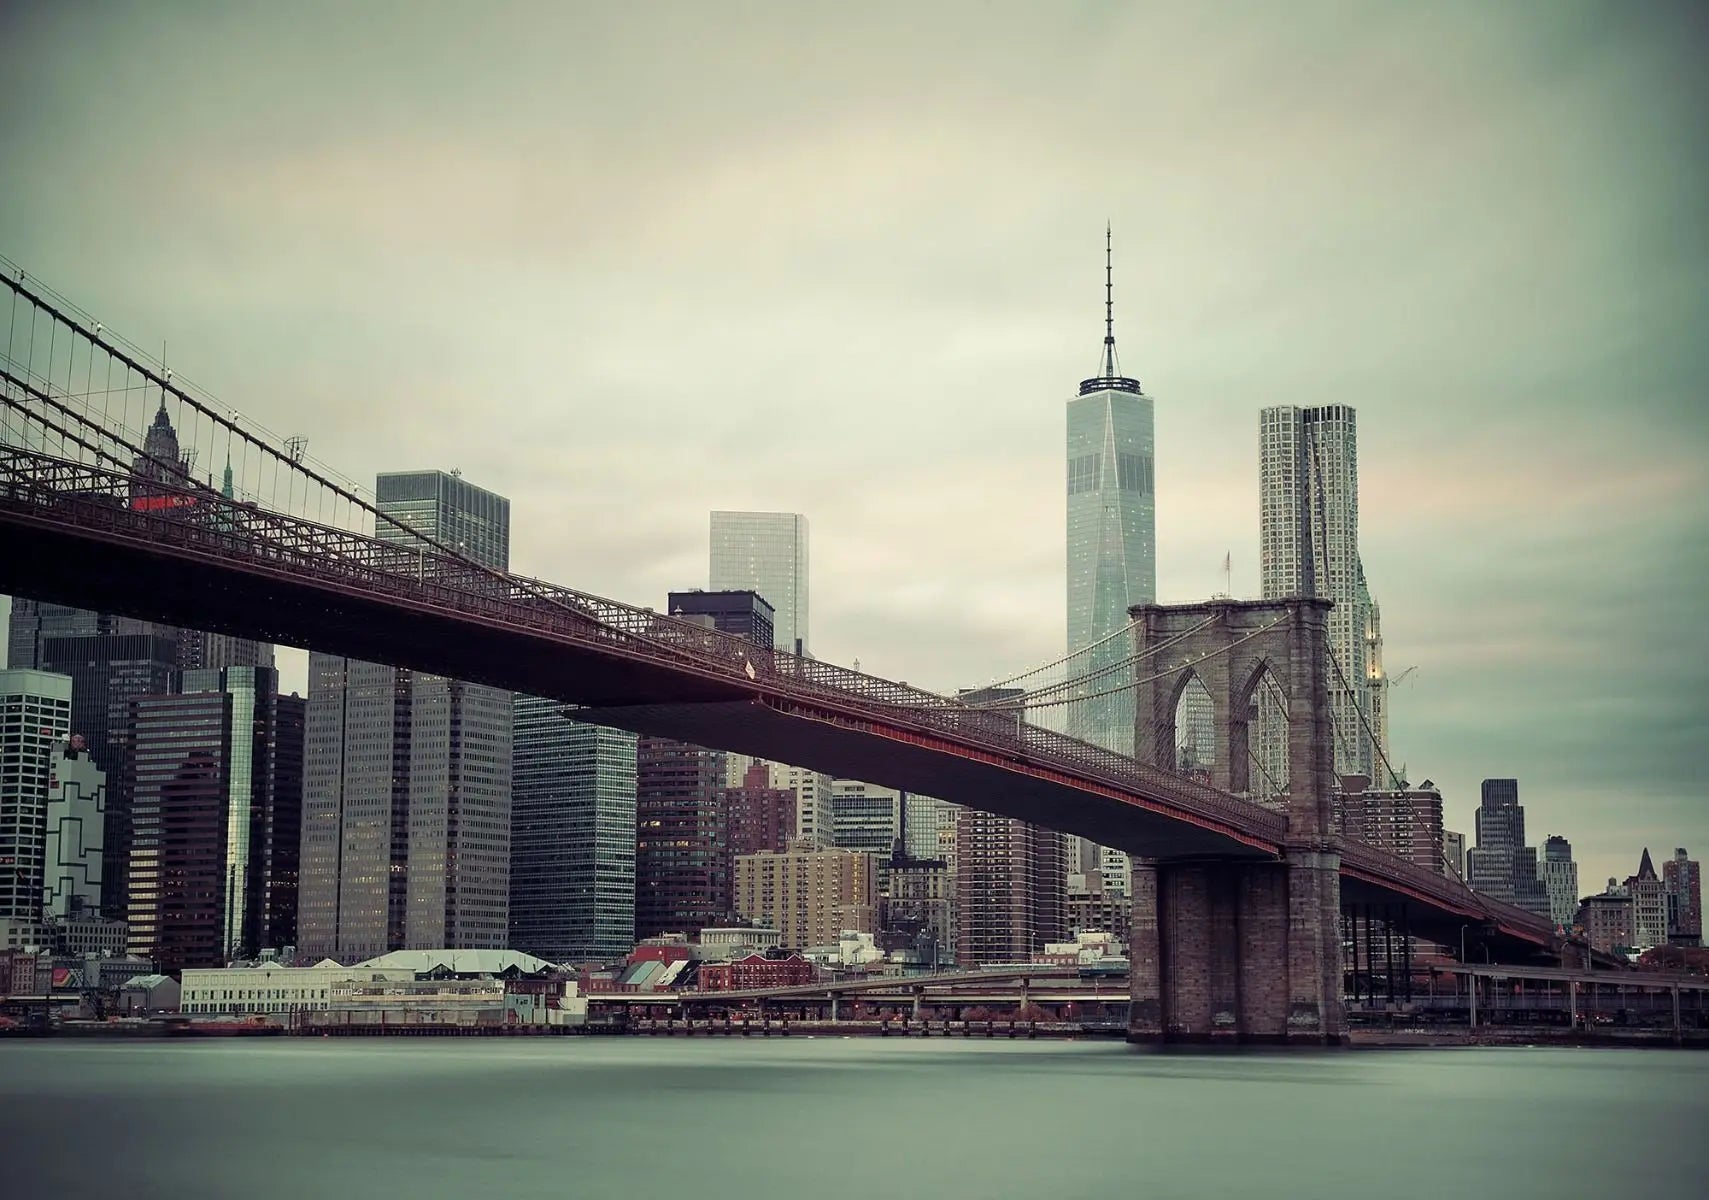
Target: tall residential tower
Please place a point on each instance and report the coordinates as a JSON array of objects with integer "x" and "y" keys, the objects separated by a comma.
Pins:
[{"x": 1309, "y": 546}]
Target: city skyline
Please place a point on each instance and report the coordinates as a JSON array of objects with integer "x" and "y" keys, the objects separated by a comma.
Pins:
[{"x": 1386, "y": 278}]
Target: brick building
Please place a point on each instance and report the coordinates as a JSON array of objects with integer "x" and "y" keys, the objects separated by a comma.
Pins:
[
  {"x": 757, "y": 816},
  {"x": 1682, "y": 883},
  {"x": 808, "y": 895},
  {"x": 755, "y": 971}
]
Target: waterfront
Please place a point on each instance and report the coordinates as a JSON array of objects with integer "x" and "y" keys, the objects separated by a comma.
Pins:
[{"x": 836, "y": 1118}]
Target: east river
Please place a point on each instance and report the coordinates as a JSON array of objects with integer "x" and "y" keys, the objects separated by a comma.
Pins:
[{"x": 818, "y": 1117}]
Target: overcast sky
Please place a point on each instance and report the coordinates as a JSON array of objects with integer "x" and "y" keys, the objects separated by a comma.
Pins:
[{"x": 628, "y": 265}]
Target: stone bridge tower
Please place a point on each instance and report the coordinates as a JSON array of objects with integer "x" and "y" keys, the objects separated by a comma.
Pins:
[{"x": 1240, "y": 949}]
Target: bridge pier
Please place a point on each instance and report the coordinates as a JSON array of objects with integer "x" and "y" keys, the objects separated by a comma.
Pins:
[
  {"x": 1237, "y": 951},
  {"x": 1240, "y": 949}
]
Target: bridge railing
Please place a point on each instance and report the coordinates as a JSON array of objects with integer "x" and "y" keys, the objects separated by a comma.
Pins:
[{"x": 200, "y": 521}]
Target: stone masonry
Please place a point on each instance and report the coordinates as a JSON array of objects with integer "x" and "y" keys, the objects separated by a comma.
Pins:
[{"x": 1240, "y": 949}]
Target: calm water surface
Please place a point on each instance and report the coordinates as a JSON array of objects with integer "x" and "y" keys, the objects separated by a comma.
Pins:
[{"x": 833, "y": 1118}]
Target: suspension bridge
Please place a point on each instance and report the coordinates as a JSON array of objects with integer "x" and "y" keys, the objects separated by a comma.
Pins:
[{"x": 124, "y": 488}]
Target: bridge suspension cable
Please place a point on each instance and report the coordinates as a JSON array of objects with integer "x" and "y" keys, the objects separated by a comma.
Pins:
[
  {"x": 1023, "y": 705},
  {"x": 1081, "y": 680}
]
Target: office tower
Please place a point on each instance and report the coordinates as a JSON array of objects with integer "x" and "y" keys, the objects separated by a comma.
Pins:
[
  {"x": 808, "y": 895},
  {"x": 203, "y": 851},
  {"x": 32, "y": 622},
  {"x": 1682, "y": 880},
  {"x": 765, "y": 552},
  {"x": 1009, "y": 889},
  {"x": 75, "y": 832},
  {"x": 1453, "y": 854},
  {"x": 202, "y": 651},
  {"x": 447, "y": 509},
  {"x": 866, "y": 817},
  {"x": 1560, "y": 879},
  {"x": 744, "y": 614},
  {"x": 1309, "y": 546},
  {"x": 1500, "y": 833},
  {"x": 35, "y": 720},
  {"x": 758, "y": 815},
  {"x": 572, "y": 836},
  {"x": 1112, "y": 530},
  {"x": 682, "y": 864},
  {"x": 407, "y": 775},
  {"x": 1649, "y": 905},
  {"x": 1501, "y": 865},
  {"x": 284, "y": 830}
]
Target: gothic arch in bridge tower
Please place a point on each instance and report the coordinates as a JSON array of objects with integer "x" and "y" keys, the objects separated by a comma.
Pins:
[
  {"x": 1262, "y": 772},
  {"x": 1194, "y": 738},
  {"x": 1270, "y": 652}
]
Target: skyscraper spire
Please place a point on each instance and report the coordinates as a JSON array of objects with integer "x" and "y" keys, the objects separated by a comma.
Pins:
[
  {"x": 1109, "y": 306},
  {"x": 1109, "y": 377}
]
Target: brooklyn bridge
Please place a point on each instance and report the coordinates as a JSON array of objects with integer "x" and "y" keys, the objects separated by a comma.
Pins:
[{"x": 1238, "y": 902}]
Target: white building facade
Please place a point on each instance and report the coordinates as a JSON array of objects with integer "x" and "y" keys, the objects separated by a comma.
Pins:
[
  {"x": 76, "y": 832},
  {"x": 35, "y": 719}
]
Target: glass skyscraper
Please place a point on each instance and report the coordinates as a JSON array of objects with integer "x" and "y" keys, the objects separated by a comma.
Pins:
[
  {"x": 1112, "y": 531},
  {"x": 447, "y": 508},
  {"x": 407, "y": 775},
  {"x": 765, "y": 552},
  {"x": 207, "y": 855},
  {"x": 572, "y": 838}
]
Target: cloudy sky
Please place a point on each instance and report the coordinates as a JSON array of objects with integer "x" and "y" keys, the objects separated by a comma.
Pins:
[{"x": 626, "y": 266}]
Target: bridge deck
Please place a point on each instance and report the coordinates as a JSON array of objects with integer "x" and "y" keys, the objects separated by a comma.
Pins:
[{"x": 68, "y": 535}]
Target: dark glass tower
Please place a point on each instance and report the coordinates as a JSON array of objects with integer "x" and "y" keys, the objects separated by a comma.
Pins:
[
  {"x": 572, "y": 836},
  {"x": 209, "y": 847}
]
